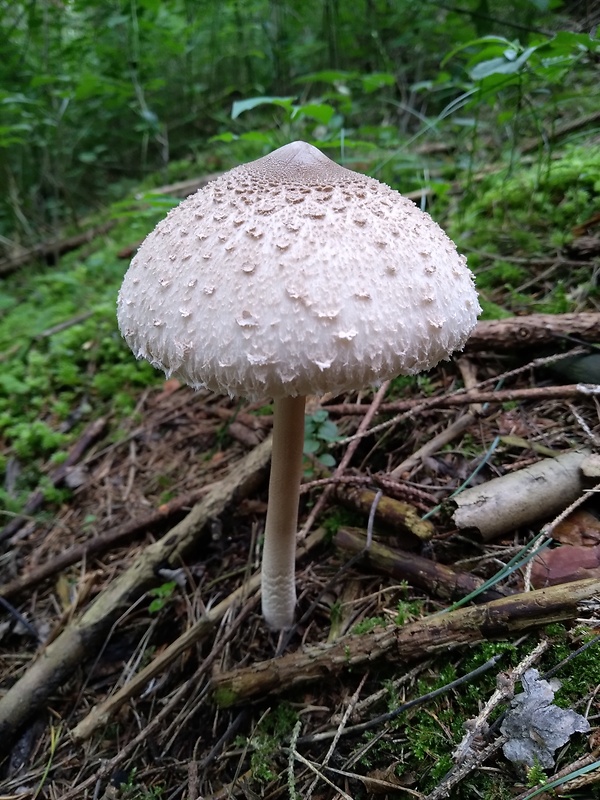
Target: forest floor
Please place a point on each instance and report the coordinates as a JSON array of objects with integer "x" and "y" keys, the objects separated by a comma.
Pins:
[{"x": 131, "y": 633}]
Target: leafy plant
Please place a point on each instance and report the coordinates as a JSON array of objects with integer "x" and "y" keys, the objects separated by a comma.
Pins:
[{"x": 319, "y": 433}]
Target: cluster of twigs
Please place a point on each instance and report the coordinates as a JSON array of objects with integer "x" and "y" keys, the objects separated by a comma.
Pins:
[{"x": 65, "y": 692}]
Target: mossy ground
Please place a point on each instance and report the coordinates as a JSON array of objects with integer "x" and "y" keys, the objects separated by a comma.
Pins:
[{"x": 514, "y": 225}]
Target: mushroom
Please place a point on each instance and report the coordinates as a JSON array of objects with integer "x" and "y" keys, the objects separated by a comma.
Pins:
[{"x": 290, "y": 276}]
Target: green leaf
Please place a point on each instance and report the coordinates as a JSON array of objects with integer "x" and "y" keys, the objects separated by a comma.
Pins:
[
  {"x": 240, "y": 106},
  {"x": 311, "y": 446},
  {"x": 374, "y": 81},
  {"x": 321, "y": 112},
  {"x": 326, "y": 76}
]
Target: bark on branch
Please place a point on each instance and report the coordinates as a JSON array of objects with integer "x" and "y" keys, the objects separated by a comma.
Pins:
[
  {"x": 442, "y": 581},
  {"x": 81, "y": 638},
  {"x": 432, "y": 635},
  {"x": 534, "y": 329}
]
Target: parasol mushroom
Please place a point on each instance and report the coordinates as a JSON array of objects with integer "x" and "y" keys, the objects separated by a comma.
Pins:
[{"x": 291, "y": 276}]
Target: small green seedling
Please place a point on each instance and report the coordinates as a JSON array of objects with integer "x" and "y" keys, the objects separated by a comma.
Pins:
[{"x": 319, "y": 433}]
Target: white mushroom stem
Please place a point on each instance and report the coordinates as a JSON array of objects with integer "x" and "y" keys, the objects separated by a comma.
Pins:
[{"x": 278, "y": 586}]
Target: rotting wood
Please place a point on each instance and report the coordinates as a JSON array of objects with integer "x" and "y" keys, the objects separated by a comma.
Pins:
[
  {"x": 533, "y": 329},
  {"x": 102, "y": 713},
  {"x": 558, "y": 131},
  {"x": 519, "y": 498},
  {"x": 434, "y": 635},
  {"x": 81, "y": 638},
  {"x": 54, "y": 248},
  {"x": 400, "y": 516},
  {"x": 93, "y": 431},
  {"x": 438, "y": 579}
]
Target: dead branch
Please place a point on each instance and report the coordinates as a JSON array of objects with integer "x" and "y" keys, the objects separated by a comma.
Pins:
[
  {"x": 443, "y": 581},
  {"x": 535, "y": 142},
  {"x": 402, "y": 517},
  {"x": 103, "y": 542},
  {"x": 537, "y": 393},
  {"x": 101, "y": 714},
  {"x": 54, "y": 248},
  {"x": 81, "y": 637},
  {"x": 446, "y": 436},
  {"x": 370, "y": 411},
  {"x": 35, "y": 500},
  {"x": 519, "y": 498},
  {"x": 534, "y": 329},
  {"x": 432, "y": 635}
]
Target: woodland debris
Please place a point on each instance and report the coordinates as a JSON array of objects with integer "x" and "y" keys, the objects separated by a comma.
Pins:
[
  {"x": 53, "y": 249},
  {"x": 401, "y": 517},
  {"x": 533, "y": 329},
  {"x": 558, "y": 131},
  {"x": 102, "y": 713},
  {"x": 569, "y": 562},
  {"x": 519, "y": 498},
  {"x": 535, "y": 727},
  {"x": 85, "y": 634},
  {"x": 435, "y": 634},
  {"x": 449, "y": 434},
  {"x": 461, "y": 398},
  {"x": 102, "y": 542},
  {"x": 58, "y": 475},
  {"x": 470, "y": 754},
  {"x": 438, "y": 579}
]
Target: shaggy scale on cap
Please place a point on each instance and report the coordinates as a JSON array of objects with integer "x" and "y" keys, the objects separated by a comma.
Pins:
[{"x": 291, "y": 276}]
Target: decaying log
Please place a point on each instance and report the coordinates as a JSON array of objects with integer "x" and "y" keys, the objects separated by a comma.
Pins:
[
  {"x": 81, "y": 638},
  {"x": 402, "y": 517},
  {"x": 533, "y": 329},
  {"x": 438, "y": 579},
  {"x": 54, "y": 248},
  {"x": 519, "y": 498},
  {"x": 434, "y": 635}
]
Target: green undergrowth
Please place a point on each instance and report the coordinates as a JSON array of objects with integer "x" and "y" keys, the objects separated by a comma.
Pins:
[
  {"x": 529, "y": 214},
  {"x": 419, "y": 742},
  {"x": 64, "y": 362}
]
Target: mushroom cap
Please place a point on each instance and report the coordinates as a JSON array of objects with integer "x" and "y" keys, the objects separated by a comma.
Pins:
[{"x": 291, "y": 275}]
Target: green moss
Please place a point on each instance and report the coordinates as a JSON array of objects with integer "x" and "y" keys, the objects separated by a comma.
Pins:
[{"x": 225, "y": 698}]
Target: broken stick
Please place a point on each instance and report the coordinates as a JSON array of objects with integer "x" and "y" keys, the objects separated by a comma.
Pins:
[
  {"x": 442, "y": 581},
  {"x": 81, "y": 638},
  {"x": 433, "y": 635}
]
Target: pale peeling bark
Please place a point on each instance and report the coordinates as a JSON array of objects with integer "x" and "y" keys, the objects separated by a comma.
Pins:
[{"x": 523, "y": 497}]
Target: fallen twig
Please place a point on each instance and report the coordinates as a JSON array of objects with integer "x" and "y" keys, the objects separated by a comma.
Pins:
[
  {"x": 466, "y": 398},
  {"x": 102, "y": 542},
  {"x": 54, "y": 248},
  {"x": 81, "y": 637},
  {"x": 434, "y": 634},
  {"x": 402, "y": 517},
  {"x": 101, "y": 714},
  {"x": 442, "y": 581},
  {"x": 370, "y": 411}
]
